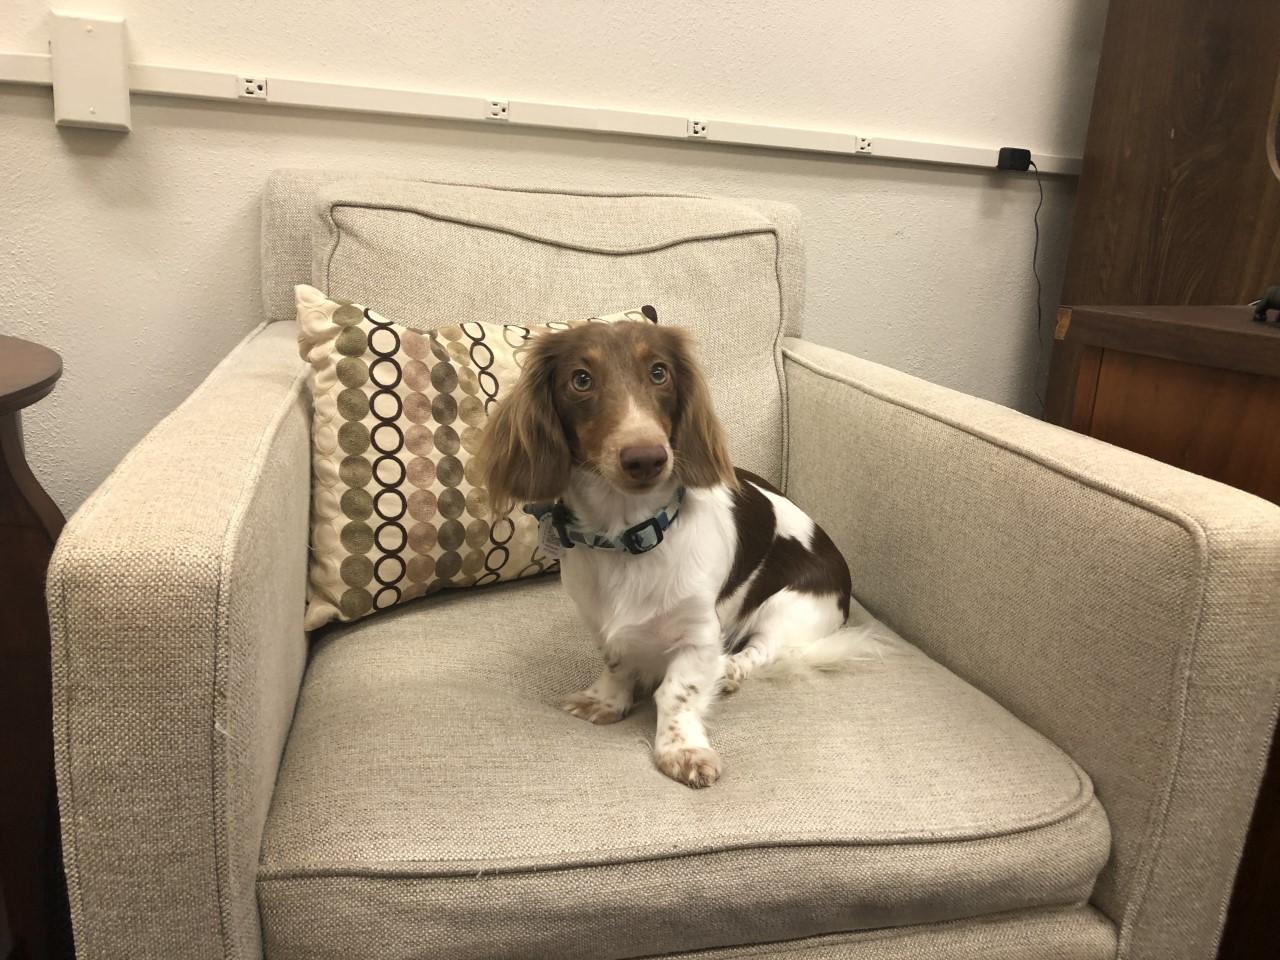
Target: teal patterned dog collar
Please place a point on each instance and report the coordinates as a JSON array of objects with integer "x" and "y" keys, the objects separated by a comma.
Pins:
[{"x": 641, "y": 538}]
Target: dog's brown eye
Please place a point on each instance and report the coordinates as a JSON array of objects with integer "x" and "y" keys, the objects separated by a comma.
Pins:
[
  {"x": 658, "y": 373},
  {"x": 581, "y": 380}
]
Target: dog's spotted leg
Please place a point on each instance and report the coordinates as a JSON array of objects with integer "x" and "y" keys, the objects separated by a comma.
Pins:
[
  {"x": 680, "y": 748},
  {"x": 761, "y": 649},
  {"x": 608, "y": 699},
  {"x": 733, "y": 675}
]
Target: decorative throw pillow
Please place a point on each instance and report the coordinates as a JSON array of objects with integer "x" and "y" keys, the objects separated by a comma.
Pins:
[{"x": 398, "y": 510}]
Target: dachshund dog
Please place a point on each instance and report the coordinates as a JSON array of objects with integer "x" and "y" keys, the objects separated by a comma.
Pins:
[{"x": 689, "y": 574}]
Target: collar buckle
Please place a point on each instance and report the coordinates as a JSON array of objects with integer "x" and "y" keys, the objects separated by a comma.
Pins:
[
  {"x": 643, "y": 537},
  {"x": 560, "y": 520}
]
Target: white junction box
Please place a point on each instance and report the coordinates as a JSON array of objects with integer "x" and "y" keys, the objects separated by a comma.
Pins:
[{"x": 90, "y": 72}]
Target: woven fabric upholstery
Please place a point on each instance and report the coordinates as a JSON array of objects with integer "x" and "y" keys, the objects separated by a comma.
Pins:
[
  {"x": 431, "y": 792},
  {"x": 1069, "y": 933},
  {"x": 175, "y": 602},
  {"x": 1127, "y": 610},
  {"x": 431, "y": 254}
]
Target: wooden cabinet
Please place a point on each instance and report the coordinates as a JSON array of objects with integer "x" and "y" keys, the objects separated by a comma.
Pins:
[
  {"x": 1179, "y": 197},
  {"x": 1198, "y": 387}
]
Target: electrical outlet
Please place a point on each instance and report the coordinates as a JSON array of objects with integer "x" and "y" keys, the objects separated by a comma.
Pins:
[
  {"x": 698, "y": 128},
  {"x": 496, "y": 110},
  {"x": 251, "y": 88},
  {"x": 864, "y": 145}
]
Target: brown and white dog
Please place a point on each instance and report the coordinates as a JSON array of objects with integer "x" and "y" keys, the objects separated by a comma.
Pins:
[{"x": 689, "y": 575}]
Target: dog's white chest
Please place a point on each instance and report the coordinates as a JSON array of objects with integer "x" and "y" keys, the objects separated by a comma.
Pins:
[
  {"x": 626, "y": 598},
  {"x": 643, "y": 606}
]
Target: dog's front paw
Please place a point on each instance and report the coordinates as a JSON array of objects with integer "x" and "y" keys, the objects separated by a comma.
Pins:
[
  {"x": 591, "y": 708},
  {"x": 693, "y": 766}
]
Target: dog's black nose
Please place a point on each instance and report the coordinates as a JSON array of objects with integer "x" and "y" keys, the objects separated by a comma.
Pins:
[{"x": 643, "y": 463}]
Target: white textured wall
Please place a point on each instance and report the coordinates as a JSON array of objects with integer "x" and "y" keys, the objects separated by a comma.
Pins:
[{"x": 135, "y": 255}]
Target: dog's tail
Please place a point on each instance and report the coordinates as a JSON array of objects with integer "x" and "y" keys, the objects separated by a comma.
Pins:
[{"x": 801, "y": 651}]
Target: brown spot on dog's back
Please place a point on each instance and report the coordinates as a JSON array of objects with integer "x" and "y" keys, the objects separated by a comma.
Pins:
[
  {"x": 753, "y": 518},
  {"x": 820, "y": 571},
  {"x": 759, "y": 481},
  {"x": 779, "y": 562}
]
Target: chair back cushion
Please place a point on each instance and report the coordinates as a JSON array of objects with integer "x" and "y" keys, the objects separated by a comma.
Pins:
[{"x": 434, "y": 254}]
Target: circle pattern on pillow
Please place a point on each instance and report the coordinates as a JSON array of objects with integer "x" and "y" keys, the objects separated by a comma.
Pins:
[{"x": 397, "y": 509}]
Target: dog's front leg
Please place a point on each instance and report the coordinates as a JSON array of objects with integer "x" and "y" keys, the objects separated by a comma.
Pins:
[{"x": 680, "y": 747}]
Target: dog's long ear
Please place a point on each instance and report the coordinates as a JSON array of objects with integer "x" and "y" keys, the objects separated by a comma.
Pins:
[
  {"x": 702, "y": 456},
  {"x": 524, "y": 456}
]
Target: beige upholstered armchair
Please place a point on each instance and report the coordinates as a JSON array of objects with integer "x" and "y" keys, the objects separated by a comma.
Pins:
[{"x": 1061, "y": 765}]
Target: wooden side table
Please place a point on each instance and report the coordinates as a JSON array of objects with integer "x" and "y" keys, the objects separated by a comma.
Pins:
[
  {"x": 1198, "y": 387},
  {"x": 33, "y": 887}
]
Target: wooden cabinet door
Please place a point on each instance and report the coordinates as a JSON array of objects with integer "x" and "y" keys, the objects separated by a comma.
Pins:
[{"x": 1179, "y": 198}]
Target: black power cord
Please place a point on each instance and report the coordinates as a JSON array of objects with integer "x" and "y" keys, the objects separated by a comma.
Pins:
[
  {"x": 1019, "y": 159},
  {"x": 1035, "y": 271}
]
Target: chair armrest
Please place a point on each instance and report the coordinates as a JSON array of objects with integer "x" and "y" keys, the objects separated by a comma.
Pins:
[
  {"x": 175, "y": 602},
  {"x": 1128, "y": 610}
]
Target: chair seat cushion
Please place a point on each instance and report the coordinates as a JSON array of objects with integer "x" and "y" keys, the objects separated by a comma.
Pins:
[{"x": 433, "y": 801}]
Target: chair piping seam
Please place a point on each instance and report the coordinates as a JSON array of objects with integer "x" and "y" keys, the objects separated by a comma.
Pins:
[
  {"x": 721, "y": 234},
  {"x": 217, "y": 745},
  {"x": 1076, "y": 807}
]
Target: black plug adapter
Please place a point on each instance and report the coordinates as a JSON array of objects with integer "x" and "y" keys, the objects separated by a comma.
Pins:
[{"x": 1013, "y": 158}]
